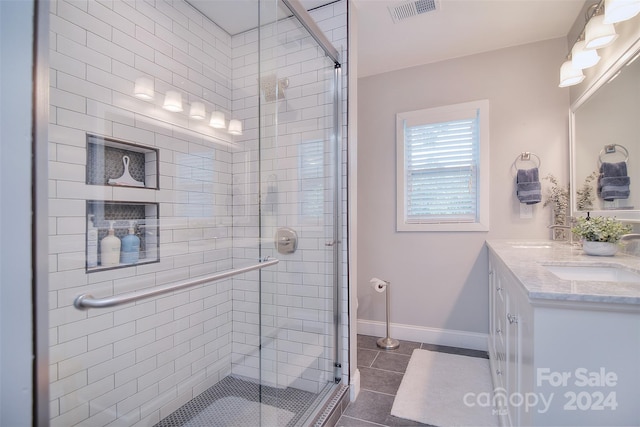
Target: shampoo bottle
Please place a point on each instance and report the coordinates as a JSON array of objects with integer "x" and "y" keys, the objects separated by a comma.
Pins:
[
  {"x": 130, "y": 247},
  {"x": 110, "y": 248},
  {"x": 92, "y": 243}
]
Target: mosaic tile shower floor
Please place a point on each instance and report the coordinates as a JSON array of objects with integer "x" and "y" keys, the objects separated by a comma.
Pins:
[{"x": 236, "y": 402}]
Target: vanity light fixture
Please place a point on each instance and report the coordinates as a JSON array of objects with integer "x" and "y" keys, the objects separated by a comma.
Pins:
[
  {"x": 620, "y": 10},
  {"x": 197, "y": 111},
  {"x": 173, "y": 101},
  {"x": 583, "y": 58},
  {"x": 569, "y": 75},
  {"x": 597, "y": 34},
  {"x": 143, "y": 88},
  {"x": 235, "y": 127},
  {"x": 217, "y": 120}
]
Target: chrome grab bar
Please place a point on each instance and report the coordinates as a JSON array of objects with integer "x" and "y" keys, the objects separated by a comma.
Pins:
[{"x": 85, "y": 301}]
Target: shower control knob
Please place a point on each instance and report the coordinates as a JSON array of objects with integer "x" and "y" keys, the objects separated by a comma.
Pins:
[{"x": 286, "y": 240}]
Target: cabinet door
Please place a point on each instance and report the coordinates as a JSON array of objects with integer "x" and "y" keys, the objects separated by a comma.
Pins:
[
  {"x": 498, "y": 341},
  {"x": 513, "y": 353},
  {"x": 496, "y": 326}
]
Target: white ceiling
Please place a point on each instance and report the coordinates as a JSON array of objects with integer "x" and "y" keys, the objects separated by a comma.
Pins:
[
  {"x": 459, "y": 28},
  {"x": 237, "y": 16}
]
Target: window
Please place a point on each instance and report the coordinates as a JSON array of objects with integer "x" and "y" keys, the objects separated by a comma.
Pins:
[
  {"x": 443, "y": 168},
  {"x": 311, "y": 173}
]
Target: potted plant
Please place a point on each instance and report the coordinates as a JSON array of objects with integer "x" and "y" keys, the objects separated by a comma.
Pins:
[
  {"x": 558, "y": 198},
  {"x": 600, "y": 235},
  {"x": 585, "y": 195}
]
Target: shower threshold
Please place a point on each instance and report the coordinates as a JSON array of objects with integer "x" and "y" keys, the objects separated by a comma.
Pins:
[{"x": 237, "y": 402}]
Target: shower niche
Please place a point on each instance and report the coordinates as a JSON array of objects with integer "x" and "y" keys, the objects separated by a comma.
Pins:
[
  {"x": 124, "y": 218},
  {"x": 123, "y": 164},
  {"x": 115, "y": 163}
]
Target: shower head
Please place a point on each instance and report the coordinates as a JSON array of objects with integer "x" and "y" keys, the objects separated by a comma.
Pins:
[{"x": 272, "y": 89}]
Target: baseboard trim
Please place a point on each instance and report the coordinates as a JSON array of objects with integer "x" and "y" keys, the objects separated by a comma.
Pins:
[{"x": 448, "y": 337}]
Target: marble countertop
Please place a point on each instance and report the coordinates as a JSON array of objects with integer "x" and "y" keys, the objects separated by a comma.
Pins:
[{"x": 527, "y": 260}]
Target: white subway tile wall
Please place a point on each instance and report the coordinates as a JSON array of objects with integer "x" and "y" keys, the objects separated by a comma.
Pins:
[{"x": 139, "y": 362}]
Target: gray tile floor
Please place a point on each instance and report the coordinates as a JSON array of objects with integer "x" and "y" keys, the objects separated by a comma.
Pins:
[{"x": 381, "y": 372}]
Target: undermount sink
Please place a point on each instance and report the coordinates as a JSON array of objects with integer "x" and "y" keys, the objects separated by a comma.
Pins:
[
  {"x": 594, "y": 273},
  {"x": 530, "y": 245}
]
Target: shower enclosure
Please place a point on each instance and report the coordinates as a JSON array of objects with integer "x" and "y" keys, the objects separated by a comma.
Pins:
[{"x": 197, "y": 237}]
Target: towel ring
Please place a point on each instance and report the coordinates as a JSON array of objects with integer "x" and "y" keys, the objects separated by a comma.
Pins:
[
  {"x": 611, "y": 149},
  {"x": 527, "y": 156}
]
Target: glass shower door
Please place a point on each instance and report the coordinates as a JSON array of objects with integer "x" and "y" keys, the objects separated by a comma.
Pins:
[{"x": 298, "y": 210}]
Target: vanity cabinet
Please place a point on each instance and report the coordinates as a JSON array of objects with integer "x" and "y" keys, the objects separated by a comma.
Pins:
[
  {"x": 509, "y": 326},
  {"x": 561, "y": 362}
]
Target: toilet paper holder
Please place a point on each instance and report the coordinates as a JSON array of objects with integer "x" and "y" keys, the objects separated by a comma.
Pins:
[{"x": 387, "y": 342}]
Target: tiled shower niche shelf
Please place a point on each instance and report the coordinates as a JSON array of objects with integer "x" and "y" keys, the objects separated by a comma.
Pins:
[
  {"x": 106, "y": 161},
  {"x": 145, "y": 217}
]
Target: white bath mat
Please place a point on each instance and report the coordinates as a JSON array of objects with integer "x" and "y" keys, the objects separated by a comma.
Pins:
[
  {"x": 239, "y": 412},
  {"x": 441, "y": 389}
]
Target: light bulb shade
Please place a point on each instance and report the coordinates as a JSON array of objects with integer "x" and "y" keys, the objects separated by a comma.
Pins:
[
  {"x": 217, "y": 120},
  {"x": 143, "y": 88},
  {"x": 583, "y": 58},
  {"x": 569, "y": 75},
  {"x": 235, "y": 127},
  {"x": 620, "y": 10},
  {"x": 197, "y": 111},
  {"x": 598, "y": 34},
  {"x": 173, "y": 101}
]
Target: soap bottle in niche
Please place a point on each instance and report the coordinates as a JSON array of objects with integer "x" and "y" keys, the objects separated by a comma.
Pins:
[
  {"x": 110, "y": 248},
  {"x": 92, "y": 243},
  {"x": 130, "y": 247}
]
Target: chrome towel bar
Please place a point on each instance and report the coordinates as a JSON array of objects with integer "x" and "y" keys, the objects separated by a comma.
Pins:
[{"x": 85, "y": 301}]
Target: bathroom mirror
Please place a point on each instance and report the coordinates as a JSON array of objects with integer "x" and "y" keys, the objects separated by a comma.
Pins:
[{"x": 605, "y": 127}]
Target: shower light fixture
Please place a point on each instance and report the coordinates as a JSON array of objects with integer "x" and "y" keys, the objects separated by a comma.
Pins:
[
  {"x": 569, "y": 75},
  {"x": 235, "y": 127},
  {"x": 597, "y": 34},
  {"x": 173, "y": 101},
  {"x": 197, "y": 111},
  {"x": 620, "y": 10},
  {"x": 143, "y": 88},
  {"x": 217, "y": 120}
]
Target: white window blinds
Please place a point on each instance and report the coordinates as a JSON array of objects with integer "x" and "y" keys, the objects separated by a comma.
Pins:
[{"x": 441, "y": 167}]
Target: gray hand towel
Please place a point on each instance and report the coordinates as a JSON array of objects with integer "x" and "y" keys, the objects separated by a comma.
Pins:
[
  {"x": 528, "y": 188},
  {"x": 613, "y": 182},
  {"x": 610, "y": 170}
]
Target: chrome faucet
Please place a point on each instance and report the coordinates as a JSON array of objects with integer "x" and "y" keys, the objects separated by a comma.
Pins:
[
  {"x": 572, "y": 221},
  {"x": 631, "y": 236}
]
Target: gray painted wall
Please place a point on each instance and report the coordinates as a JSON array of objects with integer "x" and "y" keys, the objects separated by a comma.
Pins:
[{"x": 439, "y": 279}]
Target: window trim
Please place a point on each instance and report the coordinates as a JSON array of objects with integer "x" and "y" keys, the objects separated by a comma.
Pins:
[{"x": 441, "y": 114}]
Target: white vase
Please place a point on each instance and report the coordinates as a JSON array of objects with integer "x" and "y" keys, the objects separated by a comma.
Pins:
[{"x": 599, "y": 248}]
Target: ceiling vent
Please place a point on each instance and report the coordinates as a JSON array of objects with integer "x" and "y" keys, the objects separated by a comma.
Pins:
[{"x": 412, "y": 8}]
